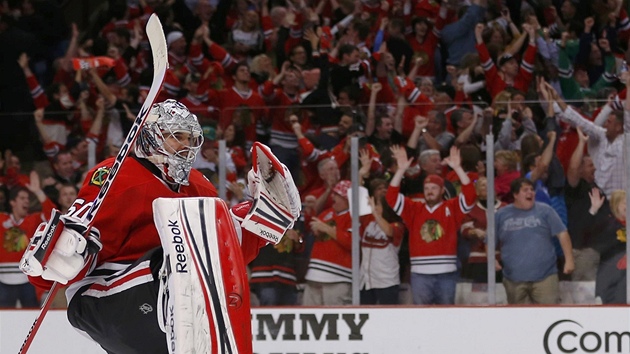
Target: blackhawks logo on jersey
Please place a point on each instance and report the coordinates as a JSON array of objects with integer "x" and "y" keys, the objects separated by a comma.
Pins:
[
  {"x": 99, "y": 176},
  {"x": 15, "y": 240},
  {"x": 431, "y": 231}
]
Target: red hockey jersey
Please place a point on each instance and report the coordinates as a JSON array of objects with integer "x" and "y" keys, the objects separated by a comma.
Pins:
[
  {"x": 495, "y": 83},
  {"x": 125, "y": 219},
  {"x": 281, "y": 132},
  {"x": 331, "y": 258},
  {"x": 426, "y": 48},
  {"x": 433, "y": 230},
  {"x": 476, "y": 219},
  {"x": 244, "y": 109}
]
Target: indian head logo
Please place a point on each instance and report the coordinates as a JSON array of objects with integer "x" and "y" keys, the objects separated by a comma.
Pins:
[
  {"x": 99, "y": 176},
  {"x": 431, "y": 231},
  {"x": 15, "y": 240}
]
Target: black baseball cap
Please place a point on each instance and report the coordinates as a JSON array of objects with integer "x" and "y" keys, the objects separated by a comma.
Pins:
[{"x": 505, "y": 58}]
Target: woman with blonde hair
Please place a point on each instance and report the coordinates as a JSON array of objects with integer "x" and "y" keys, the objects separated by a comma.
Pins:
[
  {"x": 610, "y": 283},
  {"x": 262, "y": 69},
  {"x": 246, "y": 38},
  {"x": 500, "y": 102}
]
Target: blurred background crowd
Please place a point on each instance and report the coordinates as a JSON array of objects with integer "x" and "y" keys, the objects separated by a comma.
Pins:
[{"x": 409, "y": 78}]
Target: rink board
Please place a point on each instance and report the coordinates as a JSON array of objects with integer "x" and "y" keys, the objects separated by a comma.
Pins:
[{"x": 379, "y": 330}]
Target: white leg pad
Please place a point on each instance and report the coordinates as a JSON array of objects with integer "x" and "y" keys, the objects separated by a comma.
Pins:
[{"x": 192, "y": 293}]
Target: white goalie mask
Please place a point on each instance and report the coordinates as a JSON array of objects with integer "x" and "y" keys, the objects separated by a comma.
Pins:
[{"x": 170, "y": 139}]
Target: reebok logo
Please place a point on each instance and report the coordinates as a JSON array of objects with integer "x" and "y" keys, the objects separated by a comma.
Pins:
[
  {"x": 178, "y": 243},
  {"x": 268, "y": 235},
  {"x": 49, "y": 236},
  {"x": 171, "y": 324}
]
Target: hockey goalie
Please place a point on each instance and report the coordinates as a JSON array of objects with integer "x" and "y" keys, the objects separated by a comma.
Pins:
[{"x": 162, "y": 269}]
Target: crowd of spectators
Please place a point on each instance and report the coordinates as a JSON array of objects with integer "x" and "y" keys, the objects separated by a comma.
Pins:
[{"x": 421, "y": 83}]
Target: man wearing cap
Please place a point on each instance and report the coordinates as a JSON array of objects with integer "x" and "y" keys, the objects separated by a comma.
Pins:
[
  {"x": 329, "y": 275},
  {"x": 509, "y": 73},
  {"x": 433, "y": 226}
]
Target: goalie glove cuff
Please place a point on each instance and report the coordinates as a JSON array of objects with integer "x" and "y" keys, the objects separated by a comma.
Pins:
[{"x": 240, "y": 210}]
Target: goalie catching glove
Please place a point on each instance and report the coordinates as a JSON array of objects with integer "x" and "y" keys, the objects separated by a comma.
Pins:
[
  {"x": 60, "y": 249},
  {"x": 276, "y": 199}
]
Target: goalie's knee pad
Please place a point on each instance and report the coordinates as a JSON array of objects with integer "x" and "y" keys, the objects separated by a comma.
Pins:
[{"x": 204, "y": 293}]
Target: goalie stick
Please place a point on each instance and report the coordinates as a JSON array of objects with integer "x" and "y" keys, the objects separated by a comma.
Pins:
[{"x": 159, "y": 50}]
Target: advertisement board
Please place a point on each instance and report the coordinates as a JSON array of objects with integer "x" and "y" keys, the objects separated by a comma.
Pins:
[{"x": 380, "y": 330}]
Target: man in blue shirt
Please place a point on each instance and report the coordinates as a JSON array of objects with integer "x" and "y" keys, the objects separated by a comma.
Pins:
[{"x": 525, "y": 230}]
